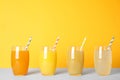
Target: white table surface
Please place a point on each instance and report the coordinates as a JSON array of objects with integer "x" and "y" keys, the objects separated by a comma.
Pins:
[{"x": 61, "y": 74}]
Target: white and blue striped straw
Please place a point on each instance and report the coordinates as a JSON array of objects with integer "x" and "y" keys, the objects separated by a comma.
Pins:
[
  {"x": 29, "y": 41},
  {"x": 111, "y": 41},
  {"x": 56, "y": 42}
]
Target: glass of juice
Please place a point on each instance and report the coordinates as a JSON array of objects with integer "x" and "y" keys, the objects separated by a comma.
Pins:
[
  {"x": 19, "y": 60},
  {"x": 103, "y": 60},
  {"x": 48, "y": 60},
  {"x": 75, "y": 61}
]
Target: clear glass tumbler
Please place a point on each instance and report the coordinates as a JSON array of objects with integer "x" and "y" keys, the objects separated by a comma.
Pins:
[
  {"x": 75, "y": 60},
  {"x": 19, "y": 60},
  {"x": 48, "y": 60},
  {"x": 103, "y": 60}
]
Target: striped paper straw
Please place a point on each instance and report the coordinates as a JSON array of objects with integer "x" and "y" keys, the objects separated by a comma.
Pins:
[
  {"x": 111, "y": 41},
  {"x": 29, "y": 41},
  {"x": 56, "y": 42}
]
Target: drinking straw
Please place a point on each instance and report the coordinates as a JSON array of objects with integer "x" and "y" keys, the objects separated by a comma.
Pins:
[
  {"x": 111, "y": 41},
  {"x": 83, "y": 43},
  {"x": 56, "y": 42},
  {"x": 29, "y": 41}
]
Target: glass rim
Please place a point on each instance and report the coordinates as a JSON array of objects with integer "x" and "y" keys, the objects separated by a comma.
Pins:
[
  {"x": 76, "y": 48},
  {"x": 49, "y": 48},
  {"x": 20, "y": 47},
  {"x": 104, "y": 47}
]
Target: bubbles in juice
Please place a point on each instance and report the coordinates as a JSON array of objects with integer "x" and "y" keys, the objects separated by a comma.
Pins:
[
  {"x": 75, "y": 65},
  {"x": 48, "y": 63},
  {"x": 20, "y": 64},
  {"x": 103, "y": 64}
]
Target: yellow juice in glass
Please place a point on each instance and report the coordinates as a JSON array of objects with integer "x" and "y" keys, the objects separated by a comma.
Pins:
[
  {"x": 103, "y": 60},
  {"x": 48, "y": 59},
  {"x": 75, "y": 61}
]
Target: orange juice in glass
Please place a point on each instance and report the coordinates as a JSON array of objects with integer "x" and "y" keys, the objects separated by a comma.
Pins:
[
  {"x": 19, "y": 60},
  {"x": 48, "y": 60},
  {"x": 75, "y": 61}
]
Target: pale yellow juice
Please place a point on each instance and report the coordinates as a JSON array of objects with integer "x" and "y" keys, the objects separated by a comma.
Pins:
[
  {"x": 75, "y": 62},
  {"x": 48, "y": 61},
  {"x": 103, "y": 61}
]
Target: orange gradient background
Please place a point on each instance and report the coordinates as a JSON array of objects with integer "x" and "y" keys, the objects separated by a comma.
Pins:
[{"x": 72, "y": 20}]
